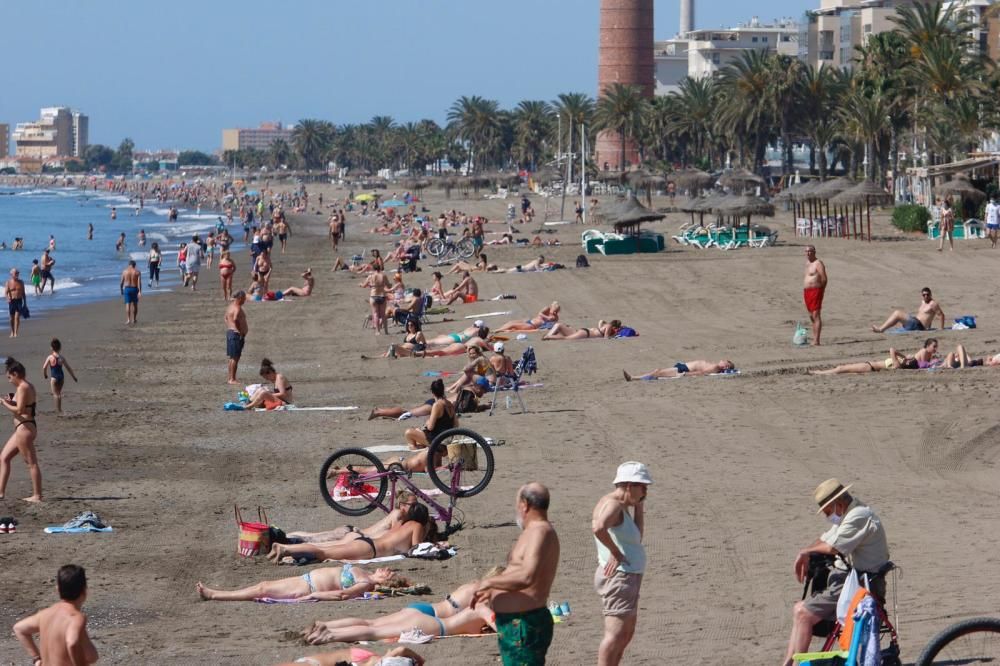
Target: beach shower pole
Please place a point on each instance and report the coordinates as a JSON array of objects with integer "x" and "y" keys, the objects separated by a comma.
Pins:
[
  {"x": 583, "y": 171},
  {"x": 569, "y": 171}
]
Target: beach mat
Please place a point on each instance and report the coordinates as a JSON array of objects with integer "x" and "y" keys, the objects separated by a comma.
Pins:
[
  {"x": 269, "y": 600},
  {"x": 59, "y": 529}
]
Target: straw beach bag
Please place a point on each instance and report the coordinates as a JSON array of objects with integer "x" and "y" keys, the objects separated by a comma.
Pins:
[
  {"x": 464, "y": 450},
  {"x": 255, "y": 538}
]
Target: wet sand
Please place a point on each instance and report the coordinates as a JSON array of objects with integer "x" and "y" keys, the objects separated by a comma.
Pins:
[{"x": 145, "y": 443}]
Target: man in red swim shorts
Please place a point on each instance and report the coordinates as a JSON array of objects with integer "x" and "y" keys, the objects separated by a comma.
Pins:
[{"x": 813, "y": 289}]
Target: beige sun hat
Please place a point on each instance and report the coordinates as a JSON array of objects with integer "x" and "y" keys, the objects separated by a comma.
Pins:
[{"x": 828, "y": 491}]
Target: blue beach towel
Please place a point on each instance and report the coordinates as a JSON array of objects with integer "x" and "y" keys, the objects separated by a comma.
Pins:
[{"x": 88, "y": 521}]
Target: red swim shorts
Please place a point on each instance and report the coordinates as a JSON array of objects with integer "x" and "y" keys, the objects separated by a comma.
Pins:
[
  {"x": 813, "y": 296},
  {"x": 470, "y": 298}
]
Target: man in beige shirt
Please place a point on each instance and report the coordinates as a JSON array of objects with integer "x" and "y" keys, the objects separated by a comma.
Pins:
[
  {"x": 62, "y": 627},
  {"x": 857, "y": 536}
]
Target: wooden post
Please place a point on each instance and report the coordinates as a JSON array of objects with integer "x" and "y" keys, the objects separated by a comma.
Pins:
[{"x": 868, "y": 208}]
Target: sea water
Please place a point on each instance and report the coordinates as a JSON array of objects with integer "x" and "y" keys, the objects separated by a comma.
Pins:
[{"x": 90, "y": 270}]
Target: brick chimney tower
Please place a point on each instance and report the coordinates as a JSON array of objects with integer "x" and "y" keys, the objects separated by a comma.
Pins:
[{"x": 625, "y": 56}]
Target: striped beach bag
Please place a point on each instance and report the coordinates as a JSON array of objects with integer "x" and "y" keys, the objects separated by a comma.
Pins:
[{"x": 255, "y": 538}]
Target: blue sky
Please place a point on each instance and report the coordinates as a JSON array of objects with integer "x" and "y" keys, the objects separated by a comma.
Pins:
[{"x": 173, "y": 74}]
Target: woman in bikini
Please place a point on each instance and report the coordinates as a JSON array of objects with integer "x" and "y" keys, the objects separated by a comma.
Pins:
[
  {"x": 481, "y": 266},
  {"x": 549, "y": 314},
  {"x": 306, "y": 289},
  {"x": 280, "y": 396},
  {"x": 604, "y": 330},
  {"x": 21, "y": 404},
  {"x": 477, "y": 328},
  {"x": 441, "y": 418},
  {"x": 414, "y": 339},
  {"x": 454, "y": 349},
  {"x": 896, "y": 361},
  {"x": 53, "y": 370},
  {"x": 404, "y": 500},
  {"x": 327, "y": 584},
  {"x": 415, "y": 529},
  {"x": 355, "y": 656},
  {"x": 379, "y": 286},
  {"x": 473, "y": 621},
  {"x": 226, "y": 269},
  {"x": 437, "y": 289},
  {"x": 262, "y": 269}
]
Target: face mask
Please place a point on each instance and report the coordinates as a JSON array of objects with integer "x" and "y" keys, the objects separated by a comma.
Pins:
[
  {"x": 520, "y": 523},
  {"x": 834, "y": 518}
]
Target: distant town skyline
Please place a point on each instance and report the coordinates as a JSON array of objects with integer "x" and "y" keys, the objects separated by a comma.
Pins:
[{"x": 174, "y": 79}]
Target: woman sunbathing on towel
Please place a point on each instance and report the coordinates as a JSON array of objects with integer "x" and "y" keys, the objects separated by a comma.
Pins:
[
  {"x": 451, "y": 605},
  {"x": 325, "y": 584},
  {"x": 549, "y": 314},
  {"x": 454, "y": 349},
  {"x": 305, "y": 290},
  {"x": 478, "y": 328},
  {"x": 896, "y": 361},
  {"x": 694, "y": 368},
  {"x": 399, "y": 656},
  {"x": 393, "y": 519},
  {"x": 416, "y": 528},
  {"x": 604, "y": 330},
  {"x": 282, "y": 393},
  {"x": 481, "y": 266},
  {"x": 473, "y": 621}
]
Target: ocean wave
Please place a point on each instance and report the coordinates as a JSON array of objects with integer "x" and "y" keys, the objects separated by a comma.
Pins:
[
  {"x": 67, "y": 283},
  {"x": 138, "y": 256},
  {"x": 201, "y": 216}
]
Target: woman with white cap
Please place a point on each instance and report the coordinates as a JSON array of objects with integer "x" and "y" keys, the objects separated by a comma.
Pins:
[{"x": 621, "y": 558}]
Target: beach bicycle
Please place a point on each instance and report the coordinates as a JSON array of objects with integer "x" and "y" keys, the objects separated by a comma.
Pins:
[
  {"x": 972, "y": 641},
  {"x": 354, "y": 481},
  {"x": 442, "y": 248}
]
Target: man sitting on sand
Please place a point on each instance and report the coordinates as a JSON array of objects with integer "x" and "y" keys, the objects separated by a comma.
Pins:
[
  {"x": 692, "y": 368},
  {"x": 919, "y": 322},
  {"x": 466, "y": 291},
  {"x": 62, "y": 627}
]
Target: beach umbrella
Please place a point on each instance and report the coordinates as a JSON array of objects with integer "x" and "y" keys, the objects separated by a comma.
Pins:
[
  {"x": 828, "y": 189},
  {"x": 740, "y": 179},
  {"x": 692, "y": 179},
  {"x": 416, "y": 184},
  {"x": 364, "y": 197},
  {"x": 746, "y": 205},
  {"x": 959, "y": 186},
  {"x": 864, "y": 194},
  {"x": 630, "y": 212}
]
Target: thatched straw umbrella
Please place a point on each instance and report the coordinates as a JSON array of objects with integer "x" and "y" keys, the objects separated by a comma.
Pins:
[
  {"x": 824, "y": 192},
  {"x": 628, "y": 215},
  {"x": 740, "y": 179},
  {"x": 645, "y": 180},
  {"x": 805, "y": 203},
  {"x": 692, "y": 180},
  {"x": 959, "y": 186},
  {"x": 864, "y": 193},
  {"x": 745, "y": 205}
]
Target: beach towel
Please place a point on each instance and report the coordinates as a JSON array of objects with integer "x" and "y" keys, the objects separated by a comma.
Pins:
[
  {"x": 388, "y": 448},
  {"x": 903, "y": 331},
  {"x": 488, "y": 314},
  {"x": 439, "y": 373},
  {"x": 288, "y": 559},
  {"x": 293, "y": 408},
  {"x": 58, "y": 529},
  {"x": 87, "y": 521},
  {"x": 269, "y": 600}
]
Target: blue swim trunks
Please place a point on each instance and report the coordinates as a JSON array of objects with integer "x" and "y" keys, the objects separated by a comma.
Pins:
[
  {"x": 130, "y": 295},
  {"x": 682, "y": 368},
  {"x": 913, "y": 324}
]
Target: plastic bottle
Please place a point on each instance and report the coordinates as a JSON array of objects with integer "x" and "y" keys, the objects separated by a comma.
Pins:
[{"x": 508, "y": 402}]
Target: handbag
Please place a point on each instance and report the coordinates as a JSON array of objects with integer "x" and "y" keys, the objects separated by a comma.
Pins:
[{"x": 254, "y": 537}]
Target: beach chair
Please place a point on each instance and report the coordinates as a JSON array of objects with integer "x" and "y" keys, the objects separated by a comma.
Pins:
[{"x": 528, "y": 365}]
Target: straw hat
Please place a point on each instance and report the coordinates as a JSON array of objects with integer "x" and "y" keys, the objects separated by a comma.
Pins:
[
  {"x": 633, "y": 472},
  {"x": 828, "y": 491}
]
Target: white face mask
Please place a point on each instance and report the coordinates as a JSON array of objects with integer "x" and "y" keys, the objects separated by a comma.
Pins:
[
  {"x": 519, "y": 521},
  {"x": 834, "y": 518}
]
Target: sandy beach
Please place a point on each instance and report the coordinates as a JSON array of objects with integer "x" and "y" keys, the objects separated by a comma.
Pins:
[{"x": 145, "y": 443}]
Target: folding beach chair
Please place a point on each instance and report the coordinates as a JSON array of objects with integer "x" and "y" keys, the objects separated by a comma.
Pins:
[{"x": 512, "y": 382}]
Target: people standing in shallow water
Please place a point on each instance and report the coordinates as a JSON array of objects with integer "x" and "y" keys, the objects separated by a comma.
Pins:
[
  {"x": 15, "y": 300},
  {"x": 155, "y": 259}
]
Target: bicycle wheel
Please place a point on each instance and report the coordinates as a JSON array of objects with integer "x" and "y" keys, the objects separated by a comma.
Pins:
[
  {"x": 352, "y": 482},
  {"x": 465, "y": 248},
  {"x": 460, "y": 462},
  {"x": 975, "y": 641},
  {"x": 435, "y": 247}
]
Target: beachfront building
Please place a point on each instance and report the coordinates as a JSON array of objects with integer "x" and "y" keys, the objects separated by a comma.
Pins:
[
  {"x": 259, "y": 138},
  {"x": 165, "y": 160},
  {"x": 700, "y": 53},
  {"x": 831, "y": 35},
  {"x": 4, "y": 139},
  {"x": 59, "y": 132}
]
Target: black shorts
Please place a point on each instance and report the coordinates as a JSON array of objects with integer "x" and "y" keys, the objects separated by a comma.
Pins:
[
  {"x": 46, "y": 275},
  {"x": 282, "y": 237},
  {"x": 234, "y": 344},
  {"x": 14, "y": 306}
]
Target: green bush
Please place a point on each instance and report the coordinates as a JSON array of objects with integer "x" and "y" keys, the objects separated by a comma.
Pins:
[{"x": 911, "y": 217}]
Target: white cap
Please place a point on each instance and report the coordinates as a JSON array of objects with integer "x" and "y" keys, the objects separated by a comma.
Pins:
[
  {"x": 479, "y": 323},
  {"x": 632, "y": 472},
  {"x": 498, "y": 347}
]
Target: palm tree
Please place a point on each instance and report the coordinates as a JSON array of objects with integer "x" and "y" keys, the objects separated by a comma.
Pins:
[
  {"x": 476, "y": 121},
  {"x": 532, "y": 122},
  {"x": 866, "y": 118},
  {"x": 279, "y": 153},
  {"x": 818, "y": 97},
  {"x": 312, "y": 140},
  {"x": 748, "y": 112},
  {"x": 694, "y": 119},
  {"x": 620, "y": 109}
]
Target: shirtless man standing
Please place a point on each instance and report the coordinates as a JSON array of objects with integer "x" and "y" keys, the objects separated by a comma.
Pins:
[
  {"x": 62, "y": 627},
  {"x": 518, "y": 595},
  {"x": 15, "y": 300},
  {"x": 694, "y": 368},
  {"x": 921, "y": 321},
  {"x": 236, "y": 332},
  {"x": 813, "y": 288},
  {"x": 47, "y": 263},
  {"x": 131, "y": 289}
]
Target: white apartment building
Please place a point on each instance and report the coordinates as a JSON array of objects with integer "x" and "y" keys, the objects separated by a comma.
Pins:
[{"x": 59, "y": 132}]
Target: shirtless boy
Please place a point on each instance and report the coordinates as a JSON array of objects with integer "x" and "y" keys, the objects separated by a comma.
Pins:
[
  {"x": 813, "y": 289},
  {"x": 62, "y": 627},
  {"x": 922, "y": 321},
  {"x": 519, "y": 595},
  {"x": 693, "y": 368},
  {"x": 131, "y": 289}
]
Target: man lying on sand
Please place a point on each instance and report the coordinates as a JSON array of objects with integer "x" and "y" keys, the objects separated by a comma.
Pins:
[
  {"x": 548, "y": 314},
  {"x": 416, "y": 528},
  {"x": 324, "y": 584},
  {"x": 451, "y": 605},
  {"x": 532, "y": 266},
  {"x": 399, "y": 656},
  {"x": 919, "y": 322},
  {"x": 693, "y": 368},
  {"x": 604, "y": 330}
]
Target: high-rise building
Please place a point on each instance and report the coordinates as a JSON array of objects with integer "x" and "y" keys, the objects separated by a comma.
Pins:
[
  {"x": 4, "y": 139},
  {"x": 832, "y": 34},
  {"x": 259, "y": 138},
  {"x": 59, "y": 132},
  {"x": 625, "y": 56}
]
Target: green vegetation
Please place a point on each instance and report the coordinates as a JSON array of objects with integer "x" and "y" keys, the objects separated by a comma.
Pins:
[{"x": 911, "y": 217}]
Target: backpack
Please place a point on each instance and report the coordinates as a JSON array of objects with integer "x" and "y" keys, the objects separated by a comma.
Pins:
[
  {"x": 581, "y": 261},
  {"x": 467, "y": 402},
  {"x": 627, "y": 332}
]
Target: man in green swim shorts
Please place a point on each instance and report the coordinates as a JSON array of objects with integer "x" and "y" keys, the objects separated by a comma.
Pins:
[{"x": 518, "y": 596}]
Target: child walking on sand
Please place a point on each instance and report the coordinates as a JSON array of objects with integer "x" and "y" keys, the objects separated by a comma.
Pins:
[{"x": 53, "y": 370}]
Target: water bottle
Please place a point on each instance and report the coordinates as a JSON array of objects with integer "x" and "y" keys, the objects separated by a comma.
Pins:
[{"x": 508, "y": 402}]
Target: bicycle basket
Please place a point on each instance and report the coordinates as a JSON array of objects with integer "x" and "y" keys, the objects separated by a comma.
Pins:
[{"x": 464, "y": 451}]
